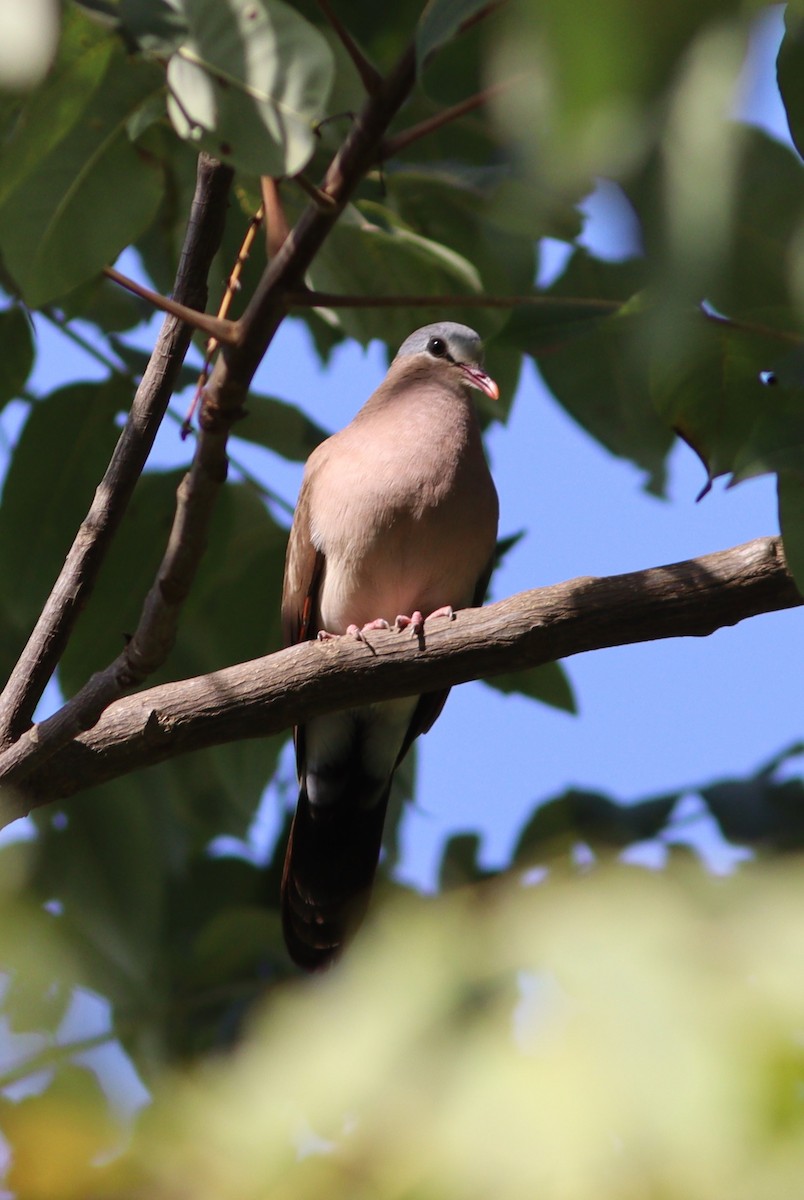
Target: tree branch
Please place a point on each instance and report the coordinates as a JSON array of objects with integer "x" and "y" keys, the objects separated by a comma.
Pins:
[
  {"x": 400, "y": 141},
  {"x": 215, "y": 327},
  {"x": 369, "y": 75},
  {"x": 254, "y": 699},
  {"x": 76, "y": 580},
  {"x": 307, "y": 298}
]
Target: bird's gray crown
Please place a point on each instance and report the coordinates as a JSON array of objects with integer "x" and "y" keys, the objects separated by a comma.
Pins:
[{"x": 445, "y": 339}]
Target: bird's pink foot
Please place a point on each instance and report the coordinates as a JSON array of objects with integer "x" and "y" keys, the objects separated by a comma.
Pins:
[
  {"x": 355, "y": 631},
  {"x": 416, "y": 621}
]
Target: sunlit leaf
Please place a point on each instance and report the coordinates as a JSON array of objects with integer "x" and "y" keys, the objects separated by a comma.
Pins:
[{"x": 250, "y": 83}]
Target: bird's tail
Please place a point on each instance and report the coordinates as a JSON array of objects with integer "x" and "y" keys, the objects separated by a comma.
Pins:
[{"x": 331, "y": 860}]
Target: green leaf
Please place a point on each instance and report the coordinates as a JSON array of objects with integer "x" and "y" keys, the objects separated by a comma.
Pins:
[
  {"x": 592, "y": 817},
  {"x": 106, "y": 305},
  {"x": 39, "y": 973},
  {"x": 454, "y": 211},
  {"x": 790, "y": 492},
  {"x": 360, "y": 258},
  {"x": 62, "y": 452},
  {"x": 759, "y": 809},
  {"x": 439, "y": 23},
  {"x": 460, "y": 863},
  {"x": 712, "y": 394},
  {"x": 790, "y": 72},
  {"x": 16, "y": 352},
  {"x": 87, "y": 193},
  {"x": 548, "y": 683},
  {"x": 50, "y": 112},
  {"x": 250, "y": 83},
  {"x": 586, "y": 74},
  {"x": 587, "y": 358},
  {"x": 232, "y": 613},
  {"x": 280, "y": 427},
  {"x": 158, "y": 26},
  {"x": 776, "y": 439}
]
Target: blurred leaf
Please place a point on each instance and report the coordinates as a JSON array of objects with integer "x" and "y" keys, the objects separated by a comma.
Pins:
[
  {"x": 460, "y": 863},
  {"x": 439, "y": 23},
  {"x": 52, "y": 111},
  {"x": 16, "y": 352},
  {"x": 592, "y": 817},
  {"x": 587, "y": 358},
  {"x": 38, "y": 969},
  {"x": 711, "y": 392},
  {"x": 73, "y": 1119},
  {"x": 105, "y": 865},
  {"x": 280, "y": 427},
  {"x": 28, "y": 44},
  {"x": 85, "y": 195},
  {"x": 585, "y": 76},
  {"x": 452, "y": 210},
  {"x": 759, "y": 809},
  {"x": 106, "y": 305},
  {"x": 158, "y": 26},
  {"x": 234, "y": 944},
  {"x": 790, "y": 493},
  {"x": 361, "y": 259},
  {"x": 62, "y": 452},
  {"x": 250, "y": 83},
  {"x": 790, "y": 72},
  {"x": 548, "y": 683},
  {"x": 385, "y": 1067},
  {"x": 232, "y": 613}
]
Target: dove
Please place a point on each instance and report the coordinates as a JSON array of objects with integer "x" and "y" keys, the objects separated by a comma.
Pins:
[{"x": 395, "y": 524}]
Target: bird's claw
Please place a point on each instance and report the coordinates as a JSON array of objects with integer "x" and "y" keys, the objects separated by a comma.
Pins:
[{"x": 416, "y": 621}]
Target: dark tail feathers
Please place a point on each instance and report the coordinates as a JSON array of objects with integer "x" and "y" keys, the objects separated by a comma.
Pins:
[{"x": 330, "y": 864}]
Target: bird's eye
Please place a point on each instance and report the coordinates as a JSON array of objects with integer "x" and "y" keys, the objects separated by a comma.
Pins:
[{"x": 437, "y": 347}]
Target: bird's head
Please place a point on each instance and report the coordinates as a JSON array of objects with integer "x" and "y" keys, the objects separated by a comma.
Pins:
[{"x": 457, "y": 345}]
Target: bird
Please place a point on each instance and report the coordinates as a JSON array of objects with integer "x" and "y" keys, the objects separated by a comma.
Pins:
[{"x": 395, "y": 523}]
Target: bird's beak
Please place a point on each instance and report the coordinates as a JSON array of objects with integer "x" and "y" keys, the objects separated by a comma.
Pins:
[{"x": 478, "y": 378}]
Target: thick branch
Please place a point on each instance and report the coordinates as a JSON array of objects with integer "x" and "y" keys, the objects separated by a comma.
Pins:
[
  {"x": 254, "y": 699},
  {"x": 77, "y": 577}
]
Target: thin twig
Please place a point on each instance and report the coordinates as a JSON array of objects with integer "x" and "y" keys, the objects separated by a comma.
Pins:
[
  {"x": 77, "y": 577},
  {"x": 224, "y": 331},
  {"x": 368, "y": 73},
  {"x": 213, "y": 343},
  {"x": 318, "y": 197},
  {"x": 276, "y": 223},
  {"x": 313, "y": 299},
  {"x": 768, "y": 331},
  {"x": 400, "y": 141}
]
